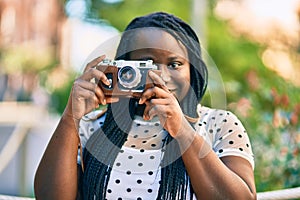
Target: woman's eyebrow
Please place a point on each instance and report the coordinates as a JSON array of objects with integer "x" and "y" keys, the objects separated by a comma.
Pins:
[
  {"x": 175, "y": 57},
  {"x": 145, "y": 58}
]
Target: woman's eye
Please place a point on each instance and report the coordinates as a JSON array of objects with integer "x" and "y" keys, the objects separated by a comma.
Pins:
[{"x": 174, "y": 65}]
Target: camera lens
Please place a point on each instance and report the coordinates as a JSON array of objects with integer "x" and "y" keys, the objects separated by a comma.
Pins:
[{"x": 129, "y": 77}]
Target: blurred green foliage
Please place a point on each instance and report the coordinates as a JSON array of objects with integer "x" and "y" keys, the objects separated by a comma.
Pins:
[
  {"x": 267, "y": 104},
  {"x": 121, "y": 13}
]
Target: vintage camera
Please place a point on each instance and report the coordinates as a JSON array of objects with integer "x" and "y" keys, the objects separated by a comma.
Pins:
[{"x": 128, "y": 78}]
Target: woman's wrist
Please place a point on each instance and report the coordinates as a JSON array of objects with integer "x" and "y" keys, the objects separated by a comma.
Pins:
[{"x": 188, "y": 138}]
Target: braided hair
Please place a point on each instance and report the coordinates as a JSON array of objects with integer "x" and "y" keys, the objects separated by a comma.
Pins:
[{"x": 103, "y": 146}]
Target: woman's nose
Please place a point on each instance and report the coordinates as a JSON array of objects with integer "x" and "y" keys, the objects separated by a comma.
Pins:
[{"x": 165, "y": 74}]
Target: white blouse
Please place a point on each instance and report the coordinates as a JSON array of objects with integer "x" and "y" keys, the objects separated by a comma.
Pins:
[{"x": 136, "y": 170}]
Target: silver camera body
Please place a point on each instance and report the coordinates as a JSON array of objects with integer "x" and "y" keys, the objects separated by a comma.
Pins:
[{"x": 126, "y": 76}]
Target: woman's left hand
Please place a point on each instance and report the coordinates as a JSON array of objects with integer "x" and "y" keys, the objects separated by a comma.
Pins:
[{"x": 162, "y": 103}]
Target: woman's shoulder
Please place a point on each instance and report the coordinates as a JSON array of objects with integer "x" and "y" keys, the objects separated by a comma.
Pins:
[{"x": 213, "y": 113}]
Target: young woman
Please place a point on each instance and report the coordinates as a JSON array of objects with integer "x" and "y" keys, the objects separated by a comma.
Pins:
[{"x": 163, "y": 145}]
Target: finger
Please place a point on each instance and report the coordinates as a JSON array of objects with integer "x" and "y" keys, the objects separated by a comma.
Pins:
[
  {"x": 147, "y": 108},
  {"x": 81, "y": 87},
  {"x": 157, "y": 110},
  {"x": 154, "y": 92},
  {"x": 158, "y": 81},
  {"x": 112, "y": 99},
  {"x": 84, "y": 94},
  {"x": 160, "y": 101},
  {"x": 95, "y": 74},
  {"x": 94, "y": 62},
  {"x": 100, "y": 95},
  {"x": 85, "y": 85}
]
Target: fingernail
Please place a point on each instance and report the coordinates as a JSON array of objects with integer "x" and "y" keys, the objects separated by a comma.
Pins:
[
  {"x": 145, "y": 117},
  {"x": 107, "y": 82},
  {"x": 140, "y": 101},
  {"x": 104, "y": 102}
]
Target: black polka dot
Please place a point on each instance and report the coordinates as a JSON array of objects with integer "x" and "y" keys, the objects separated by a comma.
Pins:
[
  {"x": 100, "y": 123},
  {"x": 139, "y": 181},
  {"x": 213, "y": 118},
  {"x": 200, "y": 124},
  {"x": 150, "y": 173},
  {"x": 81, "y": 134},
  {"x": 140, "y": 164},
  {"x": 153, "y": 145},
  {"x": 204, "y": 122},
  {"x": 142, "y": 150},
  {"x": 146, "y": 131},
  {"x": 130, "y": 157},
  {"x": 235, "y": 123},
  {"x": 128, "y": 172},
  {"x": 139, "y": 198},
  {"x": 133, "y": 146},
  {"x": 117, "y": 181},
  {"x": 152, "y": 157},
  {"x": 247, "y": 145},
  {"x": 121, "y": 151},
  {"x": 211, "y": 131},
  {"x": 154, "y": 135},
  {"x": 156, "y": 124},
  {"x": 221, "y": 151},
  {"x": 241, "y": 149},
  {"x": 135, "y": 136},
  {"x": 138, "y": 124},
  {"x": 225, "y": 120},
  {"x": 118, "y": 164},
  {"x": 150, "y": 190},
  {"x": 240, "y": 136},
  {"x": 145, "y": 141},
  {"x": 230, "y": 131},
  {"x": 231, "y": 142},
  {"x": 92, "y": 129},
  {"x": 128, "y": 189},
  {"x": 218, "y": 130},
  {"x": 119, "y": 198},
  {"x": 109, "y": 191},
  {"x": 220, "y": 138}
]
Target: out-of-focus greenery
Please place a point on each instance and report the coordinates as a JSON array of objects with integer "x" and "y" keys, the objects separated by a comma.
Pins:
[
  {"x": 121, "y": 13},
  {"x": 267, "y": 104},
  {"x": 26, "y": 58}
]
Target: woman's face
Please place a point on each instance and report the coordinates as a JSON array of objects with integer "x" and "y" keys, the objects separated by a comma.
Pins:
[{"x": 168, "y": 54}]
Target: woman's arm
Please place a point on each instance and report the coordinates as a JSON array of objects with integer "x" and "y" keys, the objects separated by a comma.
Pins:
[
  {"x": 56, "y": 176},
  {"x": 230, "y": 177}
]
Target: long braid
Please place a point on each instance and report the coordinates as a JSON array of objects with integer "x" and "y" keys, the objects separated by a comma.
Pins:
[
  {"x": 101, "y": 154},
  {"x": 103, "y": 147}
]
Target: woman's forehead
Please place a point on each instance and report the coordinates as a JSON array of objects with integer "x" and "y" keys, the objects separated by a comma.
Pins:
[{"x": 154, "y": 38}]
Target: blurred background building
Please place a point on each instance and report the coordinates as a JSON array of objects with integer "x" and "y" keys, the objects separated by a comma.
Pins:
[{"x": 30, "y": 39}]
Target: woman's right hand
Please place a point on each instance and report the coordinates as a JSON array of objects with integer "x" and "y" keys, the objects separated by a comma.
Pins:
[{"x": 86, "y": 95}]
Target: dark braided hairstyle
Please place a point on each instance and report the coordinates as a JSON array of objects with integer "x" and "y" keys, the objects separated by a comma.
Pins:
[{"x": 103, "y": 146}]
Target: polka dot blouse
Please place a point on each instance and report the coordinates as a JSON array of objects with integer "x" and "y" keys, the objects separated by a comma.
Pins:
[{"x": 136, "y": 170}]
